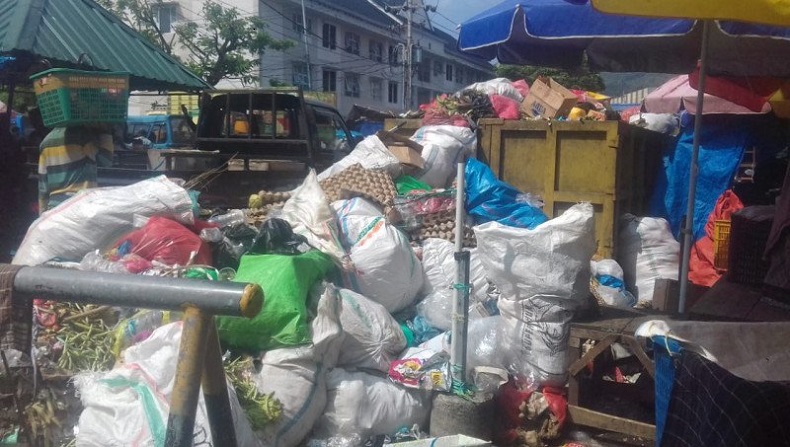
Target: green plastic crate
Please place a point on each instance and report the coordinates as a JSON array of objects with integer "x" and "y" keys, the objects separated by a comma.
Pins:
[{"x": 73, "y": 97}]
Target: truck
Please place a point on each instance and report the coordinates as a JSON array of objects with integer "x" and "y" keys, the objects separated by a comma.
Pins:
[{"x": 245, "y": 141}]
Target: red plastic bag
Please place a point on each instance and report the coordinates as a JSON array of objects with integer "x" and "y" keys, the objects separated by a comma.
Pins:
[
  {"x": 701, "y": 269},
  {"x": 505, "y": 108},
  {"x": 166, "y": 241}
]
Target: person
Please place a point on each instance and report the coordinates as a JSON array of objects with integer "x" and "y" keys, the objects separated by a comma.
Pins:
[{"x": 68, "y": 161}]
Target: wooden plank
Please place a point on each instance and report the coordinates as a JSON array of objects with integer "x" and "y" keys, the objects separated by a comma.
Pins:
[
  {"x": 573, "y": 380},
  {"x": 594, "y": 352},
  {"x": 590, "y": 418}
]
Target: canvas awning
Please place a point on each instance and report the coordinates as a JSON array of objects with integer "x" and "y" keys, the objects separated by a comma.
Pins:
[{"x": 67, "y": 32}]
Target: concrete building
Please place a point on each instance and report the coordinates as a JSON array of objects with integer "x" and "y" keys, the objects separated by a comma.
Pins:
[{"x": 353, "y": 49}]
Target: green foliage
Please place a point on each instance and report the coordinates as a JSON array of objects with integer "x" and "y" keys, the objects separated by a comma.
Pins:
[
  {"x": 581, "y": 79},
  {"x": 228, "y": 45},
  {"x": 142, "y": 16},
  {"x": 224, "y": 45}
]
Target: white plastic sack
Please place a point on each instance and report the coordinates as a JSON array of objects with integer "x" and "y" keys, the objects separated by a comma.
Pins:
[
  {"x": 442, "y": 148},
  {"x": 371, "y": 153},
  {"x": 647, "y": 252},
  {"x": 535, "y": 338},
  {"x": 498, "y": 86},
  {"x": 96, "y": 218},
  {"x": 544, "y": 275},
  {"x": 666, "y": 123},
  {"x": 613, "y": 296},
  {"x": 130, "y": 404},
  {"x": 553, "y": 259},
  {"x": 372, "y": 338},
  {"x": 309, "y": 213},
  {"x": 366, "y": 405},
  {"x": 439, "y": 264},
  {"x": 386, "y": 270},
  {"x": 356, "y": 207},
  {"x": 297, "y": 376}
]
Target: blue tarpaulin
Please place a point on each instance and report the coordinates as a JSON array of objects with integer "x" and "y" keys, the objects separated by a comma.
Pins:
[
  {"x": 490, "y": 199},
  {"x": 722, "y": 144}
]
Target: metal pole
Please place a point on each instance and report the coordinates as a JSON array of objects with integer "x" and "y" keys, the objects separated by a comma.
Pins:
[
  {"x": 688, "y": 231},
  {"x": 215, "y": 392},
  {"x": 189, "y": 369},
  {"x": 408, "y": 76},
  {"x": 306, "y": 49},
  {"x": 214, "y": 297},
  {"x": 460, "y": 314}
]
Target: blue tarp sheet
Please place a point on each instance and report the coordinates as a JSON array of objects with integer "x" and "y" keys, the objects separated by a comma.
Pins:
[
  {"x": 490, "y": 199},
  {"x": 722, "y": 144}
]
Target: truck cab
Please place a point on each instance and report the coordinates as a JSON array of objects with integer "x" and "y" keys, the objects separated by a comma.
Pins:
[
  {"x": 277, "y": 124},
  {"x": 163, "y": 131}
]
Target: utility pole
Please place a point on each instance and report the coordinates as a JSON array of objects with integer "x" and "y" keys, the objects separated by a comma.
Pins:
[
  {"x": 407, "y": 75},
  {"x": 306, "y": 49}
]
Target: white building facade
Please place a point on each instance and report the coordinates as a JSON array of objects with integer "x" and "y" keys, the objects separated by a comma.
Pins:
[{"x": 352, "y": 49}]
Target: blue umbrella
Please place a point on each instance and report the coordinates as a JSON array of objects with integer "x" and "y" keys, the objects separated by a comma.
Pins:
[{"x": 558, "y": 33}]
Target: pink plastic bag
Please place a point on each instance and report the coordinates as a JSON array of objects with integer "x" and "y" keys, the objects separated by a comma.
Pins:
[
  {"x": 522, "y": 87},
  {"x": 505, "y": 108}
]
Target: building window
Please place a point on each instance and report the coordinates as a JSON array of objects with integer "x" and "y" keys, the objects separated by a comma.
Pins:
[
  {"x": 424, "y": 71},
  {"x": 296, "y": 24},
  {"x": 300, "y": 78},
  {"x": 448, "y": 73},
  {"x": 392, "y": 93},
  {"x": 376, "y": 51},
  {"x": 393, "y": 55},
  {"x": 330, "y": 80},
  {"x": 438, "y": 68},
  {"x": 376, "y": 85},
  {"x": 459, "y": 75},
  {"x": 351, "y": 82},
  {"x": 352, "y": 42},
  {"x": 329, "y": 38},
  {"x": 165, "y": 17}
]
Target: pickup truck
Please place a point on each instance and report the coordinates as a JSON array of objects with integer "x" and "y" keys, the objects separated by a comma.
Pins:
[{"x": 245, "y": 141}]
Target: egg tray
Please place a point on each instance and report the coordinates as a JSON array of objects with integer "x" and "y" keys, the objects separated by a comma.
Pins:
[
  {"x": 356, "y": 181},
  {"x": 441, "y": 225}
]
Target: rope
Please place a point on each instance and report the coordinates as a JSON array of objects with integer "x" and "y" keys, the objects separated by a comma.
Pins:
[{"x": 459, "y": 388}]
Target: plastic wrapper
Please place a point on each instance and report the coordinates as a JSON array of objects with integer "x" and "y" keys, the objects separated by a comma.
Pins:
[
  {"x": 413, "y": 208},
  {"x": 498, "y": 86},
  {"x": 426, "y": 373},
  {"x": 139, "y": 327}
]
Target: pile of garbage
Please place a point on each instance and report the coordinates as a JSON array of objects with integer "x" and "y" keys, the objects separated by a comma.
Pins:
[
  {"x": 508, "y": 100},
  {"x": 357, "y": 267}
]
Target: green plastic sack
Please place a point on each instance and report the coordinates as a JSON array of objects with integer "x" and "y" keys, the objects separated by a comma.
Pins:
[
  {"x": 286, "y": 281},
  {"x": 406, "y": 184}
]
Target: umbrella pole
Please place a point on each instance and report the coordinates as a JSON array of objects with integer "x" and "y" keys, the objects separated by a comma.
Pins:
[
  {"x": 460, "y": 316},
  {"x": 688, "y": 230}
]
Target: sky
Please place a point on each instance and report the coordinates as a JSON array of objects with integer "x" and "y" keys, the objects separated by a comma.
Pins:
[{"x": 457, "y": 11}]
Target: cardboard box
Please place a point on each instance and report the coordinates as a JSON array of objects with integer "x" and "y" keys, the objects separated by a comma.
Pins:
[
  {"x": 548, "y": 99},
  {"x": 405, "y": 150}
]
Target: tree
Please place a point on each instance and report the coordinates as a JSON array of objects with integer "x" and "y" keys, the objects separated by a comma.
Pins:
[
  {"x": 223, "y": 45},
  {"x": 142, "y": 15},
  {"x": 581, "y": 79},
  {"x": 228, "y": 45}
]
